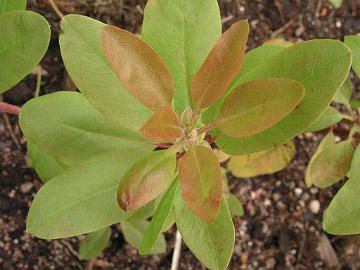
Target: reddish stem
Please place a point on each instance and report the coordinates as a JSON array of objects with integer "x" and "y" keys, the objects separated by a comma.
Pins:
[
  {"x": 163, "y": 145},
  {"x": 8, "y": 108}
]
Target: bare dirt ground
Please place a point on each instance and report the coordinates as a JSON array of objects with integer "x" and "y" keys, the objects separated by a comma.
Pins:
[{"x": 281, "y": 228}]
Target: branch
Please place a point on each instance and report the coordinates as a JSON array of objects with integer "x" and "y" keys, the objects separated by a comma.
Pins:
[
  {"x": 177, "y": 250},
  {"x": 8, "y": 108}
]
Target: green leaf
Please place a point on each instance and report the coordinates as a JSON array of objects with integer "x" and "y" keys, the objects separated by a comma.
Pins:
[
  {"x": 86, "y": 63},
  {"x": 80, "y": 200},
  {"x": 330, "y": 117},
  {"x": 138, "y": 67},
  {"x": 182, "y": 32},
  {"x": 201, "y": 182},
  {"x": 258, "y": 105},
  {"x": 134, "y": 233},
  {"x": 10, "y": 5},
  {"x": 336, "y": 3},
  {"x": 45, "y": 165},
  {"x": 25, "y": 37},
  {"x": 67, "y": 127},
  {"x": 343, "y": 214},
  {"x": 264, "y": 162},
  {"x": 344, "y": 94},
  {"x": 159, "y": 219},
  {"x": 355, "y": 103},
  {"x": 235, "y": 206},
  {"x": 94, "y": 243},
  {"x": 252, "y": 59},
  {"x": 321, "y": 65},
  {"x": 213, "y": 243},
  {"x": 220, "y": 67},
  {"x": 146, "y": 180},
  {"x": 330, "y": 163},
  {"x": 354, "y": 44},
  {"x": 164, "y": 125}
]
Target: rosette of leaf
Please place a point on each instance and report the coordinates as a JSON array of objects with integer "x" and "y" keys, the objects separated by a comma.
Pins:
[
  {"x": 25, "y": 37},
  {"x": 180, "y": 81}
]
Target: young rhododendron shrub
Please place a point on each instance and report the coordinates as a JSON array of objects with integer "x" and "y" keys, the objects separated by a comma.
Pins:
[{"x": 135, "y": 145}]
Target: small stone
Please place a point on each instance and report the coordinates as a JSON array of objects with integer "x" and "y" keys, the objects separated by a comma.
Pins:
[
  {"x": 298, "y": 191},
  {"x": 338, "y": 24},
  {"x": 26, "y": 187},
  {"x": 314, "y": 206}
]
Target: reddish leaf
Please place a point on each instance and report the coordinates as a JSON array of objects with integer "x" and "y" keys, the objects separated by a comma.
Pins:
[
  {"x": 146, "y": 180},
  {"x": 201, "y": 182},
  {"x": 258, "y": 105},
  {"x": 221, "y": 66},
  {"x": 164, "y": 125},
  {"x": 138, "y": 67}
]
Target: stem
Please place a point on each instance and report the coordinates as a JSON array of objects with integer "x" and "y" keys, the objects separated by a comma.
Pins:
[
  {"x": 8, "y": 108},
  {"x": 56, "y": 9},
  {"x": 38, "y": 81},
  {"x": 206, "y": 128},
  {"x": 177, "y": 250}
]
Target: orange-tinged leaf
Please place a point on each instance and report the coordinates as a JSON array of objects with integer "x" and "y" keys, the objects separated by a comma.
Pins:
[
  {"x": 258, "y": 105},
  {"x": 147, "y": 179},
  {"x": 164, "y": 125},
  {"x": 221, "y": 66},
  {"x": 138, "y": 67},
  {"x": 201, "y": 182}
]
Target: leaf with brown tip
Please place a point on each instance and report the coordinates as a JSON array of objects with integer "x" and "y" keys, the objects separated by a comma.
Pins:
[
  {"x": 258, "y": 105},
  {"x": 201, "y": 182},
  {"x": 147, "y": 179},
  {"x": 138, "y": 67},
  {"x": 220, "y": 67},
  {"x": 164, "y": 125}
]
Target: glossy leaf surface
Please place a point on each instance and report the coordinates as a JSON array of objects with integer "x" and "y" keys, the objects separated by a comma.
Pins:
[
  {"x": 220, "y": 67},
  {"x": 80, "y": 200},
  {"x": 86, "y": 63},
  {"x": 25, "y": 37},
  {"x": 201, "y": 182},
  {"x": 182, "y": 33},
  {"x": 78, "y": 132},
  {"x": 258, "y": 105},
  {"x": 147, "y": 179},
  {"x": 138, "y": 67},
  {"x": 164, "y": 125},
  {"x": 94, "y": 243},
  {"x": 213, "y": 243},
  {"x": 10, "y": 5},
  {"x": 343, "y": 213},
  {"x": 265, "y": 162},
  {"x": 330, "y": 163},
  {"x": 158, "y": 221},
  {"x": 354, "y": 43},
  {"x": 330, "y": 117},
  {"x": 321, "y": 66},
  {"x": 134, "y": 233}
]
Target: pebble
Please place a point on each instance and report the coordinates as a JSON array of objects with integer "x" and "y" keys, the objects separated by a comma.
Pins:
[
  {"x": 298, "y": 191},
  {"x": 26, "y": 187},
  {"x": 314, "y": 206}
]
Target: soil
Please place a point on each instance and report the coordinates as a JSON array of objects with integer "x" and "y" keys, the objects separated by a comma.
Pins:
[{"x": 281, "y": 228}]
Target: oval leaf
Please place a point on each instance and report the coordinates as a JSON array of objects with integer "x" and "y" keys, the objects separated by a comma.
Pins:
[
  {"x": 265, "y": 162},
  {"x": 342, "y": 215},
  {"x": 86, "y": 63},
  {"x": 320, "y": 65},
  {"x": 354, "y": 44},
  {"x": 25, "y": 37},
  {"x": 182, "y": 33},
  {"x": 164, "y": 126},
  {"x": 330, "y": 163},
  {"x": 158, "y": 222},
  {"x": 94, "y": 243},
  {"x": 220, "y": 67},
  {"x": 10, "y": 5},
  {"x": 138, "y": 67},
  {"x": 147, "y": 179},
  {"x": 213, "y": 243},
  {"x": 201, "y": 182},
  {"x": 258, "y": 105},
  {"x": 343, "y": 96}
]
